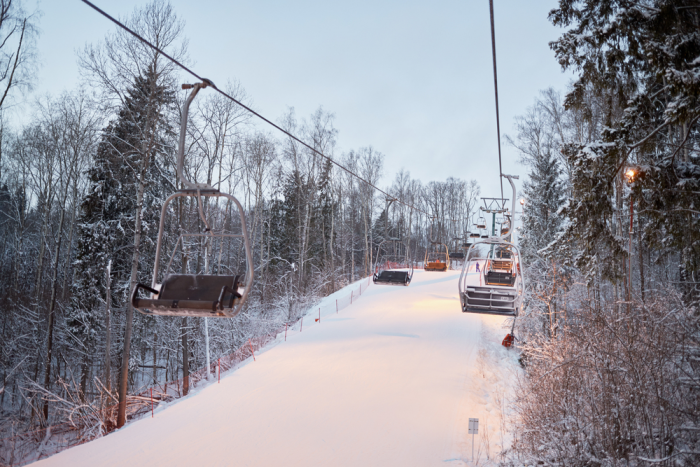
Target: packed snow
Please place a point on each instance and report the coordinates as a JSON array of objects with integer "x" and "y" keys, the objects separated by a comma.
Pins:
[{"x": 391, "y": 380}]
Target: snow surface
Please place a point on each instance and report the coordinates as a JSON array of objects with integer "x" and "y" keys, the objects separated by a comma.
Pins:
[{"x": 390, "y": 380}]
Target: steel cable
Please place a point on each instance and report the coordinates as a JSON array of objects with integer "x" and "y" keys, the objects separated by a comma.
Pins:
[
  {"x": 495, "y": 87},
  {"x": 137, "y": 36}
]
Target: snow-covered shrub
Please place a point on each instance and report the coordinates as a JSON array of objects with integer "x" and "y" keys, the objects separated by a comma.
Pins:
[{"x": 618, "y": 385}]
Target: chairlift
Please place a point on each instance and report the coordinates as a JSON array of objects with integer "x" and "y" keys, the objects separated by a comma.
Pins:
[
  {"x": 197, "y": 295},
  {"x": 393, "y": 269},
  {"x": 439, "y": 258},
  {"x": 493, "y": 284},
  {"x": 481, "y": 223}
]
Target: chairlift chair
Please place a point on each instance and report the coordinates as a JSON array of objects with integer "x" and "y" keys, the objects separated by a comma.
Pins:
[
  {"x": 481, "y": 223},
  {"x": 437, "y": 260},
  {"x": 196, "y": 295},
  {"x": 391, "y": 269},
  {"x": 493, "y": 284}
]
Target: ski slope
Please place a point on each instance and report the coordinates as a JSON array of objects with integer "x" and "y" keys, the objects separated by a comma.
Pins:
[{"x": 389, "y": 381}]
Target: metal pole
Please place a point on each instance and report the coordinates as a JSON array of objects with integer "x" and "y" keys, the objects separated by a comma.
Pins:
[
  {"x": 206, "y": 345},
  {"x": 629, "y": 284},
  {"x": 108, "y": 325}
]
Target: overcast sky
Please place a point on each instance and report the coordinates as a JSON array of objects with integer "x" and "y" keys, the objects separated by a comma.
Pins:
[{"x": 412, "y": 79}]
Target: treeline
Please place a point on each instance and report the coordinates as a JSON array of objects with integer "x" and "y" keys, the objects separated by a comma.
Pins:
[
  {"x": 82, "y": 184},
  {"x": 610, "y": 336}
]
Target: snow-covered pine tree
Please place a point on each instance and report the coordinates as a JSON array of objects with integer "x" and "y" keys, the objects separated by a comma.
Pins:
[
  {"x": 544, "y": 196},
  {"x": 641, "y": 60},
  {"x": 106, "y": 223}
]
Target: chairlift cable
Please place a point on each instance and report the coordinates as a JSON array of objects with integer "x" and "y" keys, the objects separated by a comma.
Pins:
[
  {"x": 495, "y": 87},
  {"x": 145, "y": 41}
]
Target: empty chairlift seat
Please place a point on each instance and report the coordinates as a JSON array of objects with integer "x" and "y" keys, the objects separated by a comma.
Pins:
[
  {"x": 392, "y": 278},
  {"x": 190, "y": 295}
]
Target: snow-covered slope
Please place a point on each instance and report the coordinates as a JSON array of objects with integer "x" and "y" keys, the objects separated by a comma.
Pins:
[{"x": 390, "y": 380}]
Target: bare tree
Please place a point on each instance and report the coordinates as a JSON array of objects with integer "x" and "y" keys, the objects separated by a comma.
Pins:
[{"x": 18, "y": 34}]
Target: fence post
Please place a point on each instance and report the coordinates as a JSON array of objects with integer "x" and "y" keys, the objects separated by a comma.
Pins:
[
  {"x": 251, "y": 349},
  {"x": 336, "y": 305},
  {"x": 351, "y": 297},
  {"x": 151, "y": 402},
  {"x": 285, "y": 332},
  {"x": 219, "y": 365},
  {"x": 302, "y": 324},
  {"x": 319, "y": 314}
]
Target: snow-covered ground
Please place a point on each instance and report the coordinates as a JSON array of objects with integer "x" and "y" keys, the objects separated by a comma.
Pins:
[{"x": 390, "y": 381}]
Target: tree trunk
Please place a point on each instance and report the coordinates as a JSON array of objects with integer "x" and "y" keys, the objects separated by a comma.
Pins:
[
  {"x": 185, "y": 359},
  {"x": 124, "y": 373},
  {"x": 52, "y": 306},
  {"x": 108, "y": 329}
]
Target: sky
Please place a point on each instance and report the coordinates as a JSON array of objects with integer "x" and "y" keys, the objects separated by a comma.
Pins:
[{"x": 414, "y": 80}]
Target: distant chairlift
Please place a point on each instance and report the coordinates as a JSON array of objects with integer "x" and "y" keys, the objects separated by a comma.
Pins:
[
  {"x": 198, "y": 295},
  {"x": 456, "y": 254},
  {"x": 494, "y": 283},
  {"x": 439, "y": 258},
  {"x": 393, "y": 267}
]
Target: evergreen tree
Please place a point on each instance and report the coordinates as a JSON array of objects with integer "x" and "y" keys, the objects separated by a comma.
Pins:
[
  {"x": 544, "y": 196},
  {"x": 640, "y": 59},
  {"x": 107, "y": 217}
]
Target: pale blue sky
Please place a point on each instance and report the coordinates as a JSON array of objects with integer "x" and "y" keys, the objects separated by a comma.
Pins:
[{"x": 412, "y": 79}]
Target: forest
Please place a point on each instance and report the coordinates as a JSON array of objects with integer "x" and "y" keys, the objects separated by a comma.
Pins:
[
  {"x": 609, "y": 338},
  {"x": 81, "y": 190}
]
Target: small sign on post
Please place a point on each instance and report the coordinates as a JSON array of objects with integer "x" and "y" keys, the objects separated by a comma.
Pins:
[{"x": 473, "y": 430}]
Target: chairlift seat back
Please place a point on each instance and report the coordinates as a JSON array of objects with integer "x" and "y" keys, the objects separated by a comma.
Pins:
[{"x": 499, "y": 278}]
